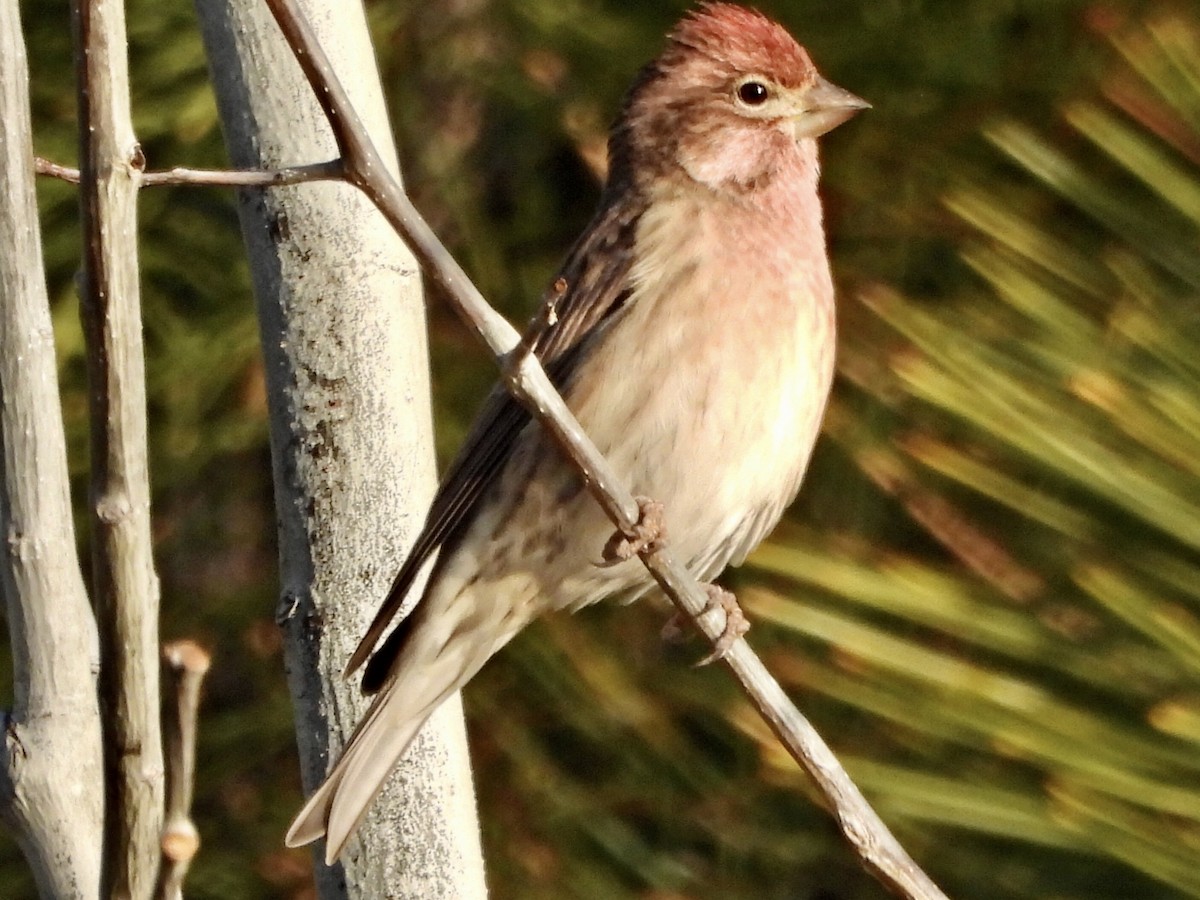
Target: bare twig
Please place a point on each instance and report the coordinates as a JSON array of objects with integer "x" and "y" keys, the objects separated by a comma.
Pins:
[
  {"x": 125, "y": 588},
  {"x": 239, "y": 178},
  {"x": 325, "y": 171},
  {"x": 547, "y": 315},
  {"x": 54, "y": 170},
  {"x": 187, "y": 663},
  {"x": 51, "y": 784},
  {"x": 527, "y": 381}
]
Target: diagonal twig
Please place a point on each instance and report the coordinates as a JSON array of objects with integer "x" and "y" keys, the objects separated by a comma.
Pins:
[{"x": 527, "y": 381}]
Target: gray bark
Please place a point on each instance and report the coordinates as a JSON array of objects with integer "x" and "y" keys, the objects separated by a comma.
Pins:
[
  {"x": 343, "y": 337},
  {"x": 124, "y": 584},
  {"x": 51, "y": 773}
]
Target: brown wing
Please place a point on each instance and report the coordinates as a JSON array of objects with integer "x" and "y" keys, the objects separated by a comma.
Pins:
[{"x": 596, "y": 276}]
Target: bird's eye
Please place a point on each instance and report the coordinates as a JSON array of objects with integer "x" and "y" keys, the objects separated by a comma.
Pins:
[{"x": 753, "y": 93}]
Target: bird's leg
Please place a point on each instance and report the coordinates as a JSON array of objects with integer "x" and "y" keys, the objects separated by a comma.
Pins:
[
  {"x": 647, "y": 535},
  {"x": 736, "y": 623}
]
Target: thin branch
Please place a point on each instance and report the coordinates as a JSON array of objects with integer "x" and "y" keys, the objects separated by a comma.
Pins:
[
  {"x": 186, "y": 663},
  {"x": 125, "y": 587},
  {"x": 325, "y": 171},
  {"x": 54, "y": 170},
  {"x": 859, "y": 824},
  {"x": 547, "y": 316}
]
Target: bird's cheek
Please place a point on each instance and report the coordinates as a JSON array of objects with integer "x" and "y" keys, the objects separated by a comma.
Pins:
[{"x": 720, "y": 159}]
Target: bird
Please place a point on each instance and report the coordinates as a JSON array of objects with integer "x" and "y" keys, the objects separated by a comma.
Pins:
[{"x": 691, "y": 331}]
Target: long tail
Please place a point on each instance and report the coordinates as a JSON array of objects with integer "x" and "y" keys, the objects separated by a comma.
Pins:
[
  {"x": 338, "y": 806},
  {"x": 443, "y": 652}
]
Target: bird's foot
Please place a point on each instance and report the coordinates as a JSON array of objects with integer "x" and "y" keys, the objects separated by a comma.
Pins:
[
  {"x": 648, "y": 535},
  {"x": 736, "y": 623}
]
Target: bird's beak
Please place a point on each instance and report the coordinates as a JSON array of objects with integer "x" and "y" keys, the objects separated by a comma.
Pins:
[{"x": 826, "y": 106}]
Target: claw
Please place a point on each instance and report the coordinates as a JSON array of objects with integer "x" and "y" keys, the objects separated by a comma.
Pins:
[
  {"x": 648, "y": 535},
  {"x": 736, "y": 623}
]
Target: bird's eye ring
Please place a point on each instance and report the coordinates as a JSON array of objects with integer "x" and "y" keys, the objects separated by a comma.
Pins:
[{"x": 753, "y": 93}]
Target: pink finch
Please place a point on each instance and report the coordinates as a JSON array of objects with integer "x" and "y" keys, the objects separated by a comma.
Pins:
[{"x": 693, "y": 339}]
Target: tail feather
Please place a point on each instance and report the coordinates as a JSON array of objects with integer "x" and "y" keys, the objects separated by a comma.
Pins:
[
  {"x": 338, "y": 806},
  {"x": 439, "y": 658},
  {"x": 309, "y": 823}
]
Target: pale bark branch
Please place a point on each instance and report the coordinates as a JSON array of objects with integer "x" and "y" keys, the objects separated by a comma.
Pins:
[
  {"x": 125, "y": 587},
  {"x": 326, "y": 171},
  {"x": 51, "y": 771},
  {"x": 880, "y": 852},
  {"x": 186, "y": 663},
  {"x": 343, "y": 335},
  {"x": 54, "y": 170}
]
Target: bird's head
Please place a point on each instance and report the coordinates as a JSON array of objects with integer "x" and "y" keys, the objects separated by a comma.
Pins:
[{"x": 730, "y": 100}]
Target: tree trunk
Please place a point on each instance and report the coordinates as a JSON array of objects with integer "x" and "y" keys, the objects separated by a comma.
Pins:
[{"x": 343, "y": 338}]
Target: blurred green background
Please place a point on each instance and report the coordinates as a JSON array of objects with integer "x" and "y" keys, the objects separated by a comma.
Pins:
[{"x": 987, "y": 597}]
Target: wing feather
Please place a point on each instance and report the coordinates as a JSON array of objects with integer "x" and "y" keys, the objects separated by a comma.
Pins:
[{"x": 596, "y": 279}]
